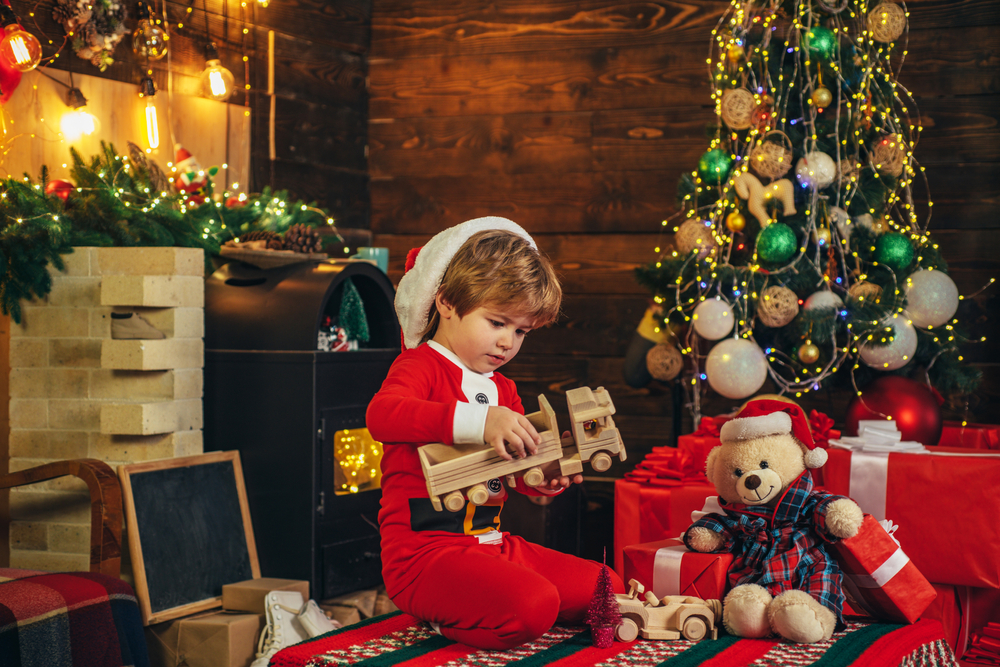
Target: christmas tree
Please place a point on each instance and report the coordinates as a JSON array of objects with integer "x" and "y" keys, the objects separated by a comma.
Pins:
[
  {"x": 603, "y": 615},
  {"x": 801, "y": 244}
]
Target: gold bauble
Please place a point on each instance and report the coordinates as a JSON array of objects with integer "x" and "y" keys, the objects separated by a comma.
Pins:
[
  {"x": 735, "y": 222},
  {"x": 823, "y": 236},
  {"x": 865, "y": 291},
  {"x": 822, "y": 97},
  {"x": 737, "y": 108},
  {"x": 777, "y": 306},
  {"x": 664, "y": 361},
  {"x": 735, "y": 53},
  {"x": 880, "y": 226},
  {"x": 808, "y": 352}
]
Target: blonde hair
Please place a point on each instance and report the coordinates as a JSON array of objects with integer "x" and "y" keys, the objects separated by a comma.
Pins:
[{"x": 499, "y": 268}]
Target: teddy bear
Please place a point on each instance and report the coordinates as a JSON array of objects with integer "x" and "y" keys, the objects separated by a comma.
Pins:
[{"x": 783, "y": 576}]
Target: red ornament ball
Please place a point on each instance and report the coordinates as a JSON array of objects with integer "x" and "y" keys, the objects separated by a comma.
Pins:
[
  {"x": 59, "y": 188},
  {"x": 235, "y": 202},
  {"x": 914, "y": 407}
]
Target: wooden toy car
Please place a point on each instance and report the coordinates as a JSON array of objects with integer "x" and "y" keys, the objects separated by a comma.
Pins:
[
  {"x": 670, "y": 617},
  {"x": 457, "y": 472}
]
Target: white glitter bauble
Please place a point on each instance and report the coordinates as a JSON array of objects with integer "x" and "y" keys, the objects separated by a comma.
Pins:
[
  {"x": 897, "y": 353},
  {"x": 816, "y": 170},
  {"x": 713, "y": 319},
  {"x": 736, "y": 368},
  {"x": 823, "y": 299},
  {"x": 931, "y": 298},
  {"x": 694, "y": 234}
]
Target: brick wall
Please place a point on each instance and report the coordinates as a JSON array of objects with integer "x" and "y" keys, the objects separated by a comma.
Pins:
[{"x": 76, "y": 393}]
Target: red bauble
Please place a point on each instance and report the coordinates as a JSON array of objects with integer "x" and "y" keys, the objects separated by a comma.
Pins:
[
  {"x": 59, "y": 188},
  {"x": 10, "y": 78},
  {"x": 914, "y": 407},
  {"x": 235, "y": 202}
]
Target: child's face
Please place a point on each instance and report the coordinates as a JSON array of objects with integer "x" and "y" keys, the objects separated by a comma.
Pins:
[{"x": 485, "y": 338}]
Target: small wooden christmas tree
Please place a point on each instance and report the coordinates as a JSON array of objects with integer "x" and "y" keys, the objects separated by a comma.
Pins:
[{"x": 603, "y": 616}]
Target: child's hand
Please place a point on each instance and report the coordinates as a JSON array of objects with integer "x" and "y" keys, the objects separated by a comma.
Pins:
[
  {"x": 560, "y": 482},
  {"x": 503, "y": 425}
]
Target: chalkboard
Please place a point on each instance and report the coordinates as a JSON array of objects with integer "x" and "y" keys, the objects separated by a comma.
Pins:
[{"x": 189, "y": 532}]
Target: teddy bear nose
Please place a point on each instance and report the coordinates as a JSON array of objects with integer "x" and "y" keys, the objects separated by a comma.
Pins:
[{"x": 752, "y": 482}]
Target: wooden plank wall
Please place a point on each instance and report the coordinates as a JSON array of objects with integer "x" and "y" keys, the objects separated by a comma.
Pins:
[
  {"x": 575, "y": 118},
  {"x": 319, "y": 72}
]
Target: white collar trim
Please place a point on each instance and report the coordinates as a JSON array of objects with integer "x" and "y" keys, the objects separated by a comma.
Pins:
[{"x": 453, "y": 358}]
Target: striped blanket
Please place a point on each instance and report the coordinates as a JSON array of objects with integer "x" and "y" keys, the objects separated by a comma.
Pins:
[
  {"x": 398, "y": 639},
  {"x": 77, "y": 618}
]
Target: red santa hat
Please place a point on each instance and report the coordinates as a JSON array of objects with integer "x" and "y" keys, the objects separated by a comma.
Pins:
[
  {"x": 767, "y": 416},
  {"x": 425, "y": 268}
]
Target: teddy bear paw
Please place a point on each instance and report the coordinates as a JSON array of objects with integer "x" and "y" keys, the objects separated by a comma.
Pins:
[
  {"x": 744, "y": 612},
  {"x": 798, "y": 617}
]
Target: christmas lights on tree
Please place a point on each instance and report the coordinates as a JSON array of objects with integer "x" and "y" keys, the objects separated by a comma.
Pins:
[{"x": 801, "y": 241}]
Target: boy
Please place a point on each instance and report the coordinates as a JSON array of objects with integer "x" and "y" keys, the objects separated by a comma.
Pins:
[{"x": 472, "y": 294}]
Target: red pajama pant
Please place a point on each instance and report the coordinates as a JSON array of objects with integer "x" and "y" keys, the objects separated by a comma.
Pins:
[{"x": 501, "y": 596}]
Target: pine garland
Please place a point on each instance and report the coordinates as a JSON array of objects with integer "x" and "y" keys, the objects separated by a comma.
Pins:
[{"x": 115, "y": 204}]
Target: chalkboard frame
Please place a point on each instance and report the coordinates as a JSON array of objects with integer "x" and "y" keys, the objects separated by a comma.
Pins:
[{"x": 126, "y": 473}]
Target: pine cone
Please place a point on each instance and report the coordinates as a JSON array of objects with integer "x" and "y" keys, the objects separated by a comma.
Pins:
[
  {"x": 62, "y": 13},
  {"x": 273, "y": 239},
  {"x": 303, "y": 238}
]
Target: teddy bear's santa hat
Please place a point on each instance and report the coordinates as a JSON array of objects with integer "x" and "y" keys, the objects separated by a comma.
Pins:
[
  {"x": 425, "y": 268},
  {"x": 766, "y": 416}
]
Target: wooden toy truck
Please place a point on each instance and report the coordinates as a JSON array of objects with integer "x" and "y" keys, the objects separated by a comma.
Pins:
[
  {"x": 670, "y": 617},
  {"x": 458, "y": 472}
]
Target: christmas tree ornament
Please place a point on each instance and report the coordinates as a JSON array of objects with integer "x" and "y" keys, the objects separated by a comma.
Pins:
[
  {"x": 865, "y": 291},
  {"x": 737, "y": 107},
  {"x": 762, "y": 115},
  {"x": 59, "y": 188},
  {"x": 217, "y": 82},
  {"x": 821, "y": 41},
  {"x": 191, "y": 179},
  {"x": 776, "y": 243},
  {"x": 736, "y": 368},
  {"x": 94, "y": 28},
  {"x": 772, "y": 159},
  {"x": 603, "y": 614},
  {"x": 713, "y": 319},
  {"x": 889, "y": 155},
  {"x": 816, "y": 170},
  {"x": 757, "y": 195},
  {"x": 735, "y": 222},
  {"x": 931, "y": 298},
  {"x": 714, "y": 165},
  {"x": 777, "y": 306},
  {"x": 847, "y": 171},
  {"x": 886, "y": 22},
  {"x": 894, "y": 250},
  {"x": 735, "y": 53},
  {"x": 664, "y": 362},
  {"x": 808, "y": 352},
  {"x": 898, "y": 352},
  {"x": 822, "y": 97},
  {"x": 695, "y": 235},
  {"x": 148, "y": 39},
  {"x": 914, "y": 406},
  {"x": 842, "y": 220},
  {"x": 20, "y": 49},
  {"x": 822, "y": 236},
  {"x": 823, "y": 299}
]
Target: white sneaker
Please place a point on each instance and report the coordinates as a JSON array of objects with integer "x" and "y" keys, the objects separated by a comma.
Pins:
[
  {"x": 283, "y": 628},
  {"x": 314, "y": 621}
]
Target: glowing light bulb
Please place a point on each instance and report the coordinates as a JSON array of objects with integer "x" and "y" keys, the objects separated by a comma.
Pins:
[
  {"x": 217, "y": 82},
  {"x": 77, "y": 122},
  {"x": 19, "y": 48},
  {"x": 148, "y": 39},
  {"x": 147, "y": 89}
]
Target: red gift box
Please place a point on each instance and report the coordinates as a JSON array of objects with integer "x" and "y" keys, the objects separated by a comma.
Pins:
[
  {"x": 667, "y": 567},
  {"x": 879, "y": 577},
  {"x": 944, "y": 502},
  {"x": 970, "y": 436},
  {"x": 965, "y": 613}
]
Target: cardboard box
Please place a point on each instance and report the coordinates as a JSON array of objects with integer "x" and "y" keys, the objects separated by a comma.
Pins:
[
  {"x": 213, "y": 639},
  {"x": 249, "y": 595}
]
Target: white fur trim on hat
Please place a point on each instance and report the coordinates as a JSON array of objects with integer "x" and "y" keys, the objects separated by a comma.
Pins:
[
  {"x": 418, "y": 287},
  {"x": 747, "y": 428}
]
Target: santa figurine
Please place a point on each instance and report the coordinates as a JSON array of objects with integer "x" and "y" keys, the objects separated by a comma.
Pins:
[{"x": 191, "y": 178}]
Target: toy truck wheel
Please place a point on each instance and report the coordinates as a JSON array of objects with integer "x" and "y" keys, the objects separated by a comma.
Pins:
[
  {"x": 627, "y": 630},
  {"x": 454, "y": 501},
  {"x": 695, "y": 628},
  {"x": 478, "y": 495},
  {"x": 600, "y": 461},
  {"x": 534, "y": 477}
]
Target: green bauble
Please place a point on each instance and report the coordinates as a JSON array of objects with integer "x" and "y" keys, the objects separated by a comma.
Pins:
[
  {"x": 714, "y": 165},
  {"x": 821, "y": 41},
  {"x": 776, "y": 243},
  {"x": 894, "y": 250}
]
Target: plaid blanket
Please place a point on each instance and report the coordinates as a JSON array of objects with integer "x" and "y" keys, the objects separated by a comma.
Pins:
[
  {"x": 77, "y": 618},
  {"x": 396, "y": 639}
]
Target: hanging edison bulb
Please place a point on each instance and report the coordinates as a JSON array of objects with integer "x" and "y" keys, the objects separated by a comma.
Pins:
[
  {"x": 148, "y": 40},
  {"x": 147, "y": 91},
  {"x": 217, "y": 82},
  {"x": 19, "y": 48},
  {"x": 77, "y": 122}
]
